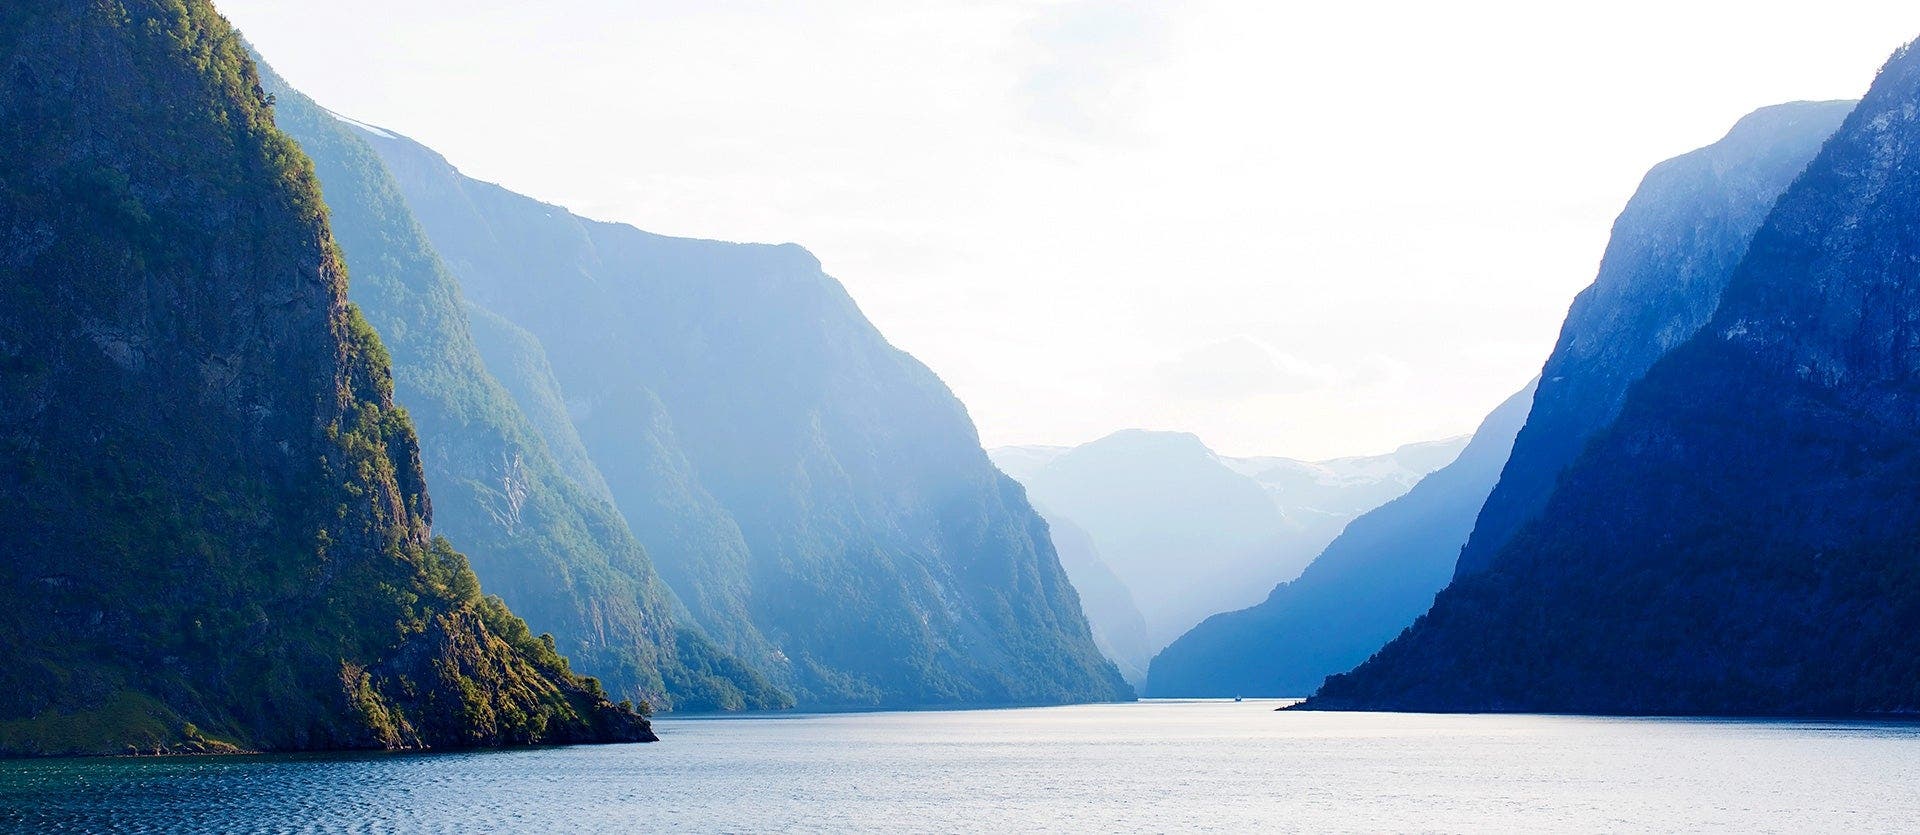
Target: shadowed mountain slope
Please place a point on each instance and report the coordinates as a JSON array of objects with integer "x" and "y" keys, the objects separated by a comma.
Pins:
[
  {"x": 218, "y": 525},
  {"x": 817, "y": 498},
  {"x": 1673, "y": 249},
  {"x": 1740, "y": 540},
  {"x": 1373, "y": 580},
  {"x": 551, "y": 545}
]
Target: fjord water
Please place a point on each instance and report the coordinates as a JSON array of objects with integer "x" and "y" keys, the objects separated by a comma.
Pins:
[{"x": 1152, "y": 766}]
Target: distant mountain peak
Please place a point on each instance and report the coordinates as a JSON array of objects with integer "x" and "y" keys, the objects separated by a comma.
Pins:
[
  {"x": 1366, "y": 586},
  {"x": 1152, "y": 439},
  {"x": 1190, "y": 532},
  {"x": 816, "y": 498}
]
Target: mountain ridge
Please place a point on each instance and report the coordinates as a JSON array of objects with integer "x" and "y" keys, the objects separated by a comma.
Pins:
[
  {"x": 220, "y": 530},
  {"x": 544, "y": 538},
  {"x": 1369, "y": 583},
  {"x": 1674, "y": 248},
  {"x": 1191, "y": 533},
  {"x": 763, "y": 439},
  {"x": 1738, "y": 541}
]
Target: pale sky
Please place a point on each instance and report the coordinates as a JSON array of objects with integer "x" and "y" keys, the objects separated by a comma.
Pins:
[{"x": 1293, "y": 229}]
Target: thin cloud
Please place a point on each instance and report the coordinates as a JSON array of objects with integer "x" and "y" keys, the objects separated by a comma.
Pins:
[
  {"x": 1242, "y": 367},
  {"x": 1084, "y": 70}
]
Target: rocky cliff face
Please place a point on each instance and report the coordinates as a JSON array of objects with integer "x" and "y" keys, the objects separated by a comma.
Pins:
[
  {"x": 1372, "y": 581},
  {"x": 1673, "y": 249},
  {"x": 218, "y": 526},
  {"x": 817, "y": 498},
  {"x": 551, "y": 545},
  {"x": 1740, "y": 540}
]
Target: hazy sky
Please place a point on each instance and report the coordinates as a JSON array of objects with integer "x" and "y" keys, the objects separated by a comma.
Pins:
[{"x": 1302, "y": 229}]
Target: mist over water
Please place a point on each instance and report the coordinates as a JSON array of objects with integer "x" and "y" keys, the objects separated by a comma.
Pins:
[{"x": 1149, "y": 766}]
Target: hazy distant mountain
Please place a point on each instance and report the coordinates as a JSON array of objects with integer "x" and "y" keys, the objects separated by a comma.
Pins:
[
  {"x": 1191, "y": 532},
  {"x": 1672, "y": 251},
  {"x": 817, "y": 498},
  {"x": 1309, "y": 492},
  {"x": 217, "y": 524},
  {"x": 1370, "y": 583},
  {"x": 1022, "y": 462},
  {"x": 543, "y": 535},
  {"x": 1118, "y": 627},
  {"x": 1741, "y": 538}
]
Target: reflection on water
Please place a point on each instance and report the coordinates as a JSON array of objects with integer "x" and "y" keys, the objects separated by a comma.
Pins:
[{"x": 1148, "y": 766}]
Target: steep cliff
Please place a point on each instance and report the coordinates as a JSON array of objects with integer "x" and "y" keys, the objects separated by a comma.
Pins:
[
  {"x": 1119, "y": 630},
  {"x": 1740, "y": 540},
  {"x": 552, "y": 546},
  {"x": 217, "y": 531},
  {"x": 816, "y": 497},
  {"x": 1672, "y": 251}
]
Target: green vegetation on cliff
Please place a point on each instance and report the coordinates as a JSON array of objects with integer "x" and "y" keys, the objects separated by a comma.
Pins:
[
  {"x": 218, "y": 523},
  {"x": 552, "y": 547},
  {"x": 817, "y": 498}
]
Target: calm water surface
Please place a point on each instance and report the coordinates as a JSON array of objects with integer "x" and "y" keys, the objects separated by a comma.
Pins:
[{"x": 1152, "y": 766}]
